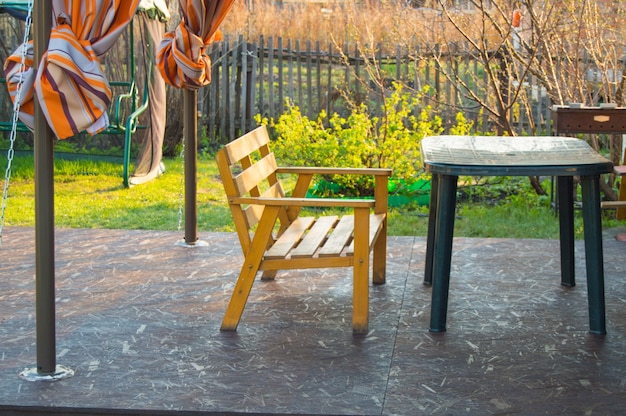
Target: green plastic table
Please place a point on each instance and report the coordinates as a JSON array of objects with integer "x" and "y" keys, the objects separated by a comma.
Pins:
[{"x": 448, "y": 157}]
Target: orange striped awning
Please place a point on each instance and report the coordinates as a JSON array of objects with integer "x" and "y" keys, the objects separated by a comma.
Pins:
[
  {"x": 71, "y": 87},
  {"x": 181, "y": 58}
]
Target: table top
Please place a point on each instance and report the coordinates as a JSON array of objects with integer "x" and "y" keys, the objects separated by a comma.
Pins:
[{"x": 512, "y": 156}]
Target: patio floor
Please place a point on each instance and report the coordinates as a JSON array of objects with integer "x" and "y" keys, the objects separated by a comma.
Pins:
[{"x": 138, "y": 321}]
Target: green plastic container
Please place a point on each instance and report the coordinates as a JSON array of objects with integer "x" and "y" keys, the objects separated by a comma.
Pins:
[{"x": 400, "y": 193}]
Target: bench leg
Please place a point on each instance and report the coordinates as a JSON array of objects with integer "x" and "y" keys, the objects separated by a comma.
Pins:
[
  {"x": 593, "y": 253},
  {"x": 239, "y": 297},
  {"x": 444, "y": 233},
  {"x": 621, "y": 211},
  {"x": 249, "y": 270},
  {"x": 430, "y": 239},
  {"x": 269, "y": 275},
  {"x": 379, "y": 261},
  {"x": 565, "y": 187},
  {"x": 360, "y": 294}
]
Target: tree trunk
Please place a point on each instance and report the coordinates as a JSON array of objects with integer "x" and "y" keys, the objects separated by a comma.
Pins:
[{"x": 536, "y": 184}]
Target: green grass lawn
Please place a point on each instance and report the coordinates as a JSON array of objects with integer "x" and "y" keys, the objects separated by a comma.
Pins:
[{"x": 90, "y": 194}]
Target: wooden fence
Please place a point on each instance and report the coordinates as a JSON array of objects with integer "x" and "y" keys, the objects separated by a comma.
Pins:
[{"x": 250, "y": 79}]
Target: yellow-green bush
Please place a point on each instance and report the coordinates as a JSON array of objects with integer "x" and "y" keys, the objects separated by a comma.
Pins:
[{"x": 391, "y": 140}]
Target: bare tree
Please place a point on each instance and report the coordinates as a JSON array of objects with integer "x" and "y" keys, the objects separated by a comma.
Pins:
[{"x": 573, "y": 49}]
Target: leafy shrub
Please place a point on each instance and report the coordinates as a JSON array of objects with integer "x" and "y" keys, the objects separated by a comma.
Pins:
[{"x": 360, "y": 140}]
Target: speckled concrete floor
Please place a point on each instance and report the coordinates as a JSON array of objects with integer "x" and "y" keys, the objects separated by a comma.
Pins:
[{"x": 138, "y": 321}]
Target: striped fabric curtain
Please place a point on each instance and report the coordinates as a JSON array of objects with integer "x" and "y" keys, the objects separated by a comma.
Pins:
[
  {"x": 181, "y": 58},
  {"x": 72, "y": 89}
]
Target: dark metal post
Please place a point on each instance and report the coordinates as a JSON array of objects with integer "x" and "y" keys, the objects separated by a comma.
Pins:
[
  {"x": 46, "y": 369},
  {"x": 191, "y": 152},
  {"x": 44, "y": 211}
]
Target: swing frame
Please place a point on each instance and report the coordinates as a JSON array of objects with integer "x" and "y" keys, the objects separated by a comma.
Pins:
[{"x": 120, "y": 123}]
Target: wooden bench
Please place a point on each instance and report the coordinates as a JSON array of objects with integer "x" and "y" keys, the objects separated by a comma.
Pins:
[
  {"x": 273, "y": 235},
  {"x": 620, "y": 204}
]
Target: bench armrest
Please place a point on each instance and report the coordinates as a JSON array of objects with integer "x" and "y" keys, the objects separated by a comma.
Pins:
[
  {"x": 305, "y": 202},
  {"x": 312, "y": 170}
]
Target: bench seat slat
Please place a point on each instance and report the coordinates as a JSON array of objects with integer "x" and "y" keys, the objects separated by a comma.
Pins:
[
  {"x": 619, "y": 169},
  {"x": 315, "y": 237},
  {"x": 613, "y": 204},
  {"x": 289, "y": 238},
  {"x": 339, "y": 238},
  {"x": 375, "y": 222}
]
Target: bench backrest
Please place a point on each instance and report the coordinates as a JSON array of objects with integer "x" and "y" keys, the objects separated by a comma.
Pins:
[{"x": 248, "y": 168}]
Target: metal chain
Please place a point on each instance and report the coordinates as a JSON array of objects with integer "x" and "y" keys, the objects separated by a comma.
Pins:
[{"x": 16, "y": 109}]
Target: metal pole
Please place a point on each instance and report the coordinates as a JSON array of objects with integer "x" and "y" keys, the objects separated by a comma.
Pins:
[
  {"x": 46, "y": 369},
  {"x": 44, "y": 211},
  {"x": 130, "y": 70},
  {"x": 191, "y": 150}
]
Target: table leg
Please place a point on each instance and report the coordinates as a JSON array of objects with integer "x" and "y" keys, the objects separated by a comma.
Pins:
[
  {"x": 593, "y": 253},
  {"x": 444, "y": 232},
  {"x": 432, "y": 221},
  {"x": 565, "y": 203}
]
